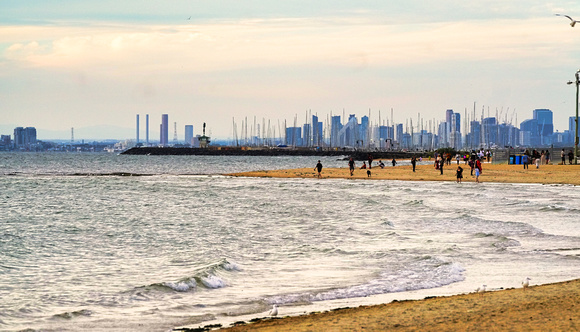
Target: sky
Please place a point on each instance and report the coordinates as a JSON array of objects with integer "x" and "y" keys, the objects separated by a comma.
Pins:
[{"x": 91, "y": 64}]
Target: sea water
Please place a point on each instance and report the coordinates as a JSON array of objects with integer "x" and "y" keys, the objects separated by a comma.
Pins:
[{"x": 100, "y": 242}]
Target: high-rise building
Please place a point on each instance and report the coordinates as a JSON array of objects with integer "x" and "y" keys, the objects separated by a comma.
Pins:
[
  {"x": 164, "y": 136},
  {"x": 147, "y": 129},
  {"x": 137, "y": 129},
  {"x": 24, "y": 136},
  {"x": 529, "y": 133},
  {"x": 335, "y": 127},
  {"x": 188, "y": 135},
  {"x": 545, "y": 121},
  {"x": 293, "y": 136},
  {"x": 448, "y": 116},
  {"x": 400, "y": 133},
  {"x": 307, "y": 134}
]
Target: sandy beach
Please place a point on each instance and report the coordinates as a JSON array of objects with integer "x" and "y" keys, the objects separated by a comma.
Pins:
[
  {"x": 502, "y": 173},
  {"x": 551, "y": 307}
]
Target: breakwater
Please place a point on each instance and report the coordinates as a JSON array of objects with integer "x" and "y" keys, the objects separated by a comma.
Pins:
[{"x": 357, "y": 155}]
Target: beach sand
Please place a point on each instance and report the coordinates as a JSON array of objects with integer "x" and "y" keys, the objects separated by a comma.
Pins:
[
  {"x": 503, "y": 173},
  {"x": 552, "y": 307}
]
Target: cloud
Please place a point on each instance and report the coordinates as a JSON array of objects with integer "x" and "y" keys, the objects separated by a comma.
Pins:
[{"x": 258, "y": 43}]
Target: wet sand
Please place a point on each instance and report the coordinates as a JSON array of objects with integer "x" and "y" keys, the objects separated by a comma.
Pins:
[
  {"x": 552, "y": 307},
  {"x": 546, "y": 174}
]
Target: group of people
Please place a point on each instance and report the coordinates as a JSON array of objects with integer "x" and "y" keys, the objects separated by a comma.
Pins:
[{"x": 570, "y": 157}]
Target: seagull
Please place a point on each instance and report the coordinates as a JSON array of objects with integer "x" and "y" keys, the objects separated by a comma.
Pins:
[
  {"x": 526, "y": 283},
  {"x": 573, "y": 21},
  {"x": 481, "y": 289},
  {"x": 274, "y": 310},
  {"x": 189, "y": 18}
]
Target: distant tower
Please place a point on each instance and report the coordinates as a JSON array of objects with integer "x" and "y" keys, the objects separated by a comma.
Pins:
[
  {"x": 72, "y": 134},
  {"x": 164, "y": 129},
  {"x": 188, "y": 134},
  {"x": 137, "y": 128},
  {"x": 147, "y": 129},
  {"x": 175, "y": 133}
]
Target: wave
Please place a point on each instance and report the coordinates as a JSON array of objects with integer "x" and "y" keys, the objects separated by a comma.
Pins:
[
  {"x": 414, "y": 202},
  {"x": 423, "y": 273},
  {"x": 205, "y": 277},
  {"x": 74, "y": 314}
]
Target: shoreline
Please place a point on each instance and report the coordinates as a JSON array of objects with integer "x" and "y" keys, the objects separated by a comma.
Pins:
[
  {"x": 553, "y": 306},
  {"x": 500, "y": 173}
]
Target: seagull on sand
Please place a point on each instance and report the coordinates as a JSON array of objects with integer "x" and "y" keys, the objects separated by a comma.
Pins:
[
  {"x": 274, "y": 310},
  {"x": 481, "y": 289},
  {"x": 572, "y": 21},
  {"x": 526, "y": 283}
]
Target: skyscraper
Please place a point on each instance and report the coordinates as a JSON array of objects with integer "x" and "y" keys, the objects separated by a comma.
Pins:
[
  {"x": 164, "y": 136},
  {"x": 24, "y": 136},
  {"x": 137, "y": 129},
  {"x": 188, "y": 135},
  {"x": 147, "y": 129},
  {"x": 545, "y": 121}
]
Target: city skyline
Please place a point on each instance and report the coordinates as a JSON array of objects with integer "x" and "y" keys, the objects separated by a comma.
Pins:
[{"x": 95, "y": 64}]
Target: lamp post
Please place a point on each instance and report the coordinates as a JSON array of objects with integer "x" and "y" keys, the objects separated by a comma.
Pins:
[{"x": 576, "y": 132}]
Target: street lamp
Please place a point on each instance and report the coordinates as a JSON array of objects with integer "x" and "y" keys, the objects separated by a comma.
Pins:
[{"x": 576, "y": 133}]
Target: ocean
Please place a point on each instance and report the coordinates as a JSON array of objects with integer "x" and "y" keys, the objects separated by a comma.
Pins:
[{"x": 104, "y": 242}]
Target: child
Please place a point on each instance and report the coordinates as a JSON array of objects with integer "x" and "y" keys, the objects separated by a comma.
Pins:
[{"x": 459, "y": 174}]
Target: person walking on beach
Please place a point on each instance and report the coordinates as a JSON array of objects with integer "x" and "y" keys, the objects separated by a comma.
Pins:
[
  {"x": 394, "y": 162},
  {"x": 459, "y": 174},
  {"x": 525, "y": 161},
  {"x": 370, "y": 159},
  {"x": 477, "y": 169},
  {"x": 413, "y": 162},
  {"x": 351, "y": 166},
  {"x": 471, "y": 165},
  {"x": 319, "y": 168},
  {"x": 563, "y": 154}
]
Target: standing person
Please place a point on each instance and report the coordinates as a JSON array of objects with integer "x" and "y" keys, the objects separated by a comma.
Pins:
[
  {"x": 547, "y": 157},
  {"x": 477, "y": 169},
  {"x": 563, "y": 155},
  {"x": 543, "y": 158},
  {"x": 441, "y": 166},
  {"x": 394, "y": 162},
  {"x": 457, "y": 157},
  {"x": 471, "y": 165},
  {"x": 351, "y": 166},
  {"x": 525, "y": 161},
  {"x": 370, "y": 159},
  {"x": 413, "y": 162},
  {"x": 570, "y": 157},
  {"x": 319, "y": 168},
  {"x": 459, "y": 174},
  {"x": 537, "y": 162}
]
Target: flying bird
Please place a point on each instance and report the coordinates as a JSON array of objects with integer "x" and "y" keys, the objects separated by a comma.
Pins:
[
  {"x": 572, "y": 21},
  {"x": 526, "y": 283},
  {"x": 274, "y": 310},
  {"x": 189, "y": 18}
]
